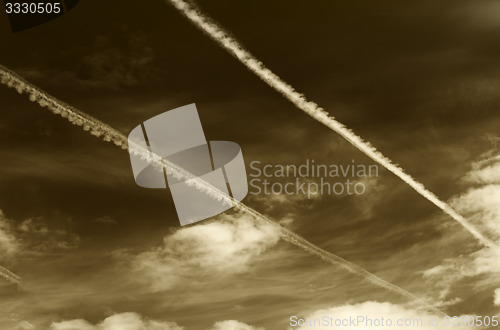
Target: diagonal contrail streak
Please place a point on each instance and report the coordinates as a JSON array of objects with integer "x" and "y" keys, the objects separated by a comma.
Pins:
[
  {"x": 109, "y": 134},
  {"x": 224, "y": 39},
  {"x": 9, "y": 276}
]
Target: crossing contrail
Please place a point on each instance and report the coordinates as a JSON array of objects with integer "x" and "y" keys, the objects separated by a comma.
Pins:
[
  {"x": 224, "y": 39},
  {"x": 109, "y": 134},
  {"x": 9, "y": 276}
]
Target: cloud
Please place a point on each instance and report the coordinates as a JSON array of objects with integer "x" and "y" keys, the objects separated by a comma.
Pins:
[
  {"x": 479, "y": 204},
  {"x": 24, "y": 325},
  {"x": 220, "y": 248},
  {"x": 108, "y": 64},
  {"x": 486, "y": 171},
  {"x": 123, "y": 321},
  {"x": 232, "y": 325},
  {"x": 106, "y": 219},
  {"x": 72, "y": 325},
  {"x": 496, "y": 297},
  {"x": 113, "y": 67},
  {"x": 134, "y": 321},
  {"x": 33, "y": 236},
  {"x": 37, "y": 237},
  {"x": 372, "y": 315},
  {"x": 9, "y": 244}
]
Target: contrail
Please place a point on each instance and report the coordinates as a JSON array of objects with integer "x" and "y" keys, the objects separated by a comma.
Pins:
[
  {"x": 224, "y": 39},
  {"x": 109, "y": 134},
  {"x": 74, "y": 116},
  {"x": 9, "y": 276}
]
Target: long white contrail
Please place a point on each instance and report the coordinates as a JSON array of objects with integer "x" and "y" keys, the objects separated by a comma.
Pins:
[
  {"x": 109, "y": 134},
  {"x": 224, "y": 39},
  {"x": 74, "y": 116}
]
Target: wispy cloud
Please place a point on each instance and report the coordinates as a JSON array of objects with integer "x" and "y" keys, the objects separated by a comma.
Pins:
[
  {"x": 480, "y": 203},
  {"x": 122, "y": 321},
  {"x": 9, "y": 244},
  {"x": 232, "y": 325},
  {"x": 38, "y": 237},
  {"x": 372, "y": 313},
  {"x": 135, "y": 321},
  {"x": 106, "y": 219},
  {"x": 30, "y": 237},
  {"x": 496, "y": 297},
  {"x": 206, "y": 251},
  {"x": 107, "y": 65}
]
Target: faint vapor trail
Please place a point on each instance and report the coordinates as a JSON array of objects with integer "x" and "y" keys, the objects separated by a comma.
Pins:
[
  {"x": 227, "y": 42},
  {"x": 109, "y": 134},
  {"x": 9, "y": 276}
]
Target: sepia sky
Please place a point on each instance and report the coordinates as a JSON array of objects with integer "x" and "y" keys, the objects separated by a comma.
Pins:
[{"x": 417, "y": 79}]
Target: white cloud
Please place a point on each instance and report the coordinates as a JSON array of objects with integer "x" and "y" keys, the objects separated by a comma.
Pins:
[
  {"x": 480, "y": 262},
  {"x": 496, "y": 297},
  {"x": 134, "y": 321},
  {"x": 38, "y": 237},
  {"x": 32, "y": 236},
  {"x": 25, "y": 325},
  {"x": 480, "y": 204},
  {"x": 123, "y": 321},
  {"x": 372, "y": 315},
  {"x": 219, "y": 248},
  {"x": 8, "y": 242},
  {"x": 487, "y": 171},
  {"x": 72, "y": 325},
  {"x": 232, "y": 325}
]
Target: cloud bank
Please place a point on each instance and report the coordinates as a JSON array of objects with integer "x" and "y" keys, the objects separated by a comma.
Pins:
[
  {"x": 123, "y": 321},
  {"x": 388, "y": 316}
]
